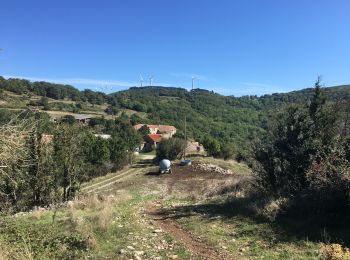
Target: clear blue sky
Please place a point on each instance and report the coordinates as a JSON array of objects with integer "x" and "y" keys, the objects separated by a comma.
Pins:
[{"x": 233, "y": 47}]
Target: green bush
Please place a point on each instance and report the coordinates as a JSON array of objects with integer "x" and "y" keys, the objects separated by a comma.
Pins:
[{"x": 170, "y": 149}]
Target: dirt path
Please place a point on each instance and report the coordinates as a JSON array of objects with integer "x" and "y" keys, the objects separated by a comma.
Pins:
[
  {"x": 114, "y": 180},
  {"x": 117, "y": 175},
  {"x": 197, "y": 247}
]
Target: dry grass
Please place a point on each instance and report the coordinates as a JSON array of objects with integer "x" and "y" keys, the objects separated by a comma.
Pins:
[{"x": 334, "y": 252}]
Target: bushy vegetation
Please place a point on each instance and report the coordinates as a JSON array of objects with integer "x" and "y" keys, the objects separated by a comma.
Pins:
[
  {"x": 171, "y": 149},
  {"x": 306, "y": 156},
  {"x": 238, "y": 121},
  {"x": 42, "y": 162}
]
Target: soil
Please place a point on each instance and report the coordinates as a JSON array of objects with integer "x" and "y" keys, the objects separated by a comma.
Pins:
[
  {"x": 194, "y": 245},
  {"x": 186, "y": 178}
]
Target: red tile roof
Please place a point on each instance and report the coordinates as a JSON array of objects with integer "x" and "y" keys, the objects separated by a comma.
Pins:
[{"x": 155, "y": 137}]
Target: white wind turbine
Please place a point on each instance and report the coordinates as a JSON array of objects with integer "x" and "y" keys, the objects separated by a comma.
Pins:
[
  {"x": 151, "y": 80},
  {"x": 141, "y": 80},
  {"x": 193, "y": 79}
]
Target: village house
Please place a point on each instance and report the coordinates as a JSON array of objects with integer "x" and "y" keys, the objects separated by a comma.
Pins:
[
  {"x": 83, "y": 119},
  {"x": 167, "y": 131},
  {"x": 157, "y": 133},
  {"x": 151, "y": 141}
]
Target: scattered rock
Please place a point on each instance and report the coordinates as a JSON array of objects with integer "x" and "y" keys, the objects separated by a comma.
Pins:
[
  {"x": 211, "y": 168},
  {"x": 130, "y": 247},
  {"x": 139, "y": 253},
  {"x": 173, "y": 257},
  {"x": 122, "y": 251},
  {"x": 157, "y": 231}
]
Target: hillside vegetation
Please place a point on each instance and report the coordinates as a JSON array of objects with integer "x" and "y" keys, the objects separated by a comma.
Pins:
[{"x": 234, "y": 122}]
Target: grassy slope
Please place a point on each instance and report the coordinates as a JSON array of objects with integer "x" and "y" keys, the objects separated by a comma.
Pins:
[
  {"x": 16, "y": 102},
  {"x": 112, "y": 223}
]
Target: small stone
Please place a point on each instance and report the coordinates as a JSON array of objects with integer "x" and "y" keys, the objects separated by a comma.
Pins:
[
  {"x": 158, "y": 231},
  {"x": 122, "y": 251},
  {"x": 139, "y": 253},
  {"x": 130, "y": 247},
  {"x": 224, "y": 247},
  {"x": 173, "y": 257}
]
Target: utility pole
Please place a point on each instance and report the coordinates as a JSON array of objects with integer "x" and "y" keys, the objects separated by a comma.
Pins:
[{"x": 185, "y": 138}]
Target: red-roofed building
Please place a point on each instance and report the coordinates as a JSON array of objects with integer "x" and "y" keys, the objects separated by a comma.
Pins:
[
  {"x": 151, "y": 141},
  {"x": 157, "y": 133}
]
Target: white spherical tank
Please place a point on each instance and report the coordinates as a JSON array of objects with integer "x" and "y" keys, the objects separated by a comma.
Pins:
[{"x": 164, "y": 164}]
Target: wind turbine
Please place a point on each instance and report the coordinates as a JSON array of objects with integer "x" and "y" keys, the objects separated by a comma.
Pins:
[
  {"x": 151, "y": 80},
  {"x": 141, "y": 80},
  {"x": 193, "y": 79}
]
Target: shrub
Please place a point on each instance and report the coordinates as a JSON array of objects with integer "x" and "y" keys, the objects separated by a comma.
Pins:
[
  {"x": 170, "y": 149},
  {"x": 211, "y": 145},
  {"x": 334, "y": 252},
  {"x": 228, "y": 151}
]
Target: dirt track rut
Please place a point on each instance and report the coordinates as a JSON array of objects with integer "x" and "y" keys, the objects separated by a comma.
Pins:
[{"x": 195, "y": 246}]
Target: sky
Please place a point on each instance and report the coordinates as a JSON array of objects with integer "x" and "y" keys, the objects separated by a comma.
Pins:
[{"x": 240, "y": 47}]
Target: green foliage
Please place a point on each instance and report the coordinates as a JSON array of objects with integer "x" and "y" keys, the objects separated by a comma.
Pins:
[
  {"x": 228, "y": 151},
  {"x": 306, "y": 155},
  {"x": 170, "y": 149},
  {"x": 44, "y": 101},
  {"x": 211, "y": 145},
  {"x": 69, "y": 119},
  {"x": 239, "y": 121},
  {"x": 135, "y": 119},
  {"x": 98, "y": 150},
  {"x": 111, "y": 110},
  {"x": 144, "y": 130},
  {"x": 68, "y": 156}
]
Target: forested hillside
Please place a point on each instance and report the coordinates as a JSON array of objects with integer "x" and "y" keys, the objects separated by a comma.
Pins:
[{"x": 234, "y": 122}]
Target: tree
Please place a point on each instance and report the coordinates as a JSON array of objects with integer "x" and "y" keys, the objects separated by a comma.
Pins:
[
  {"x": 144, "y": 130},
  {"x": 41, "y": 178},
  {"x": 13, "y": 161},
  {"x": 135, "y": 119},
  {"x": 69, "y": 158},
  {"x": 111, "y": 110},
  {"x": 44, "y": 101},
  {"x": 211, "y": 145},
  {"x": 170, "y": 149},
  {"x": 300, "y": 139},
  {"x": 69, "y": 119},
  {"x": 124, "y": 140},
  {"x": 228, "y": 151},
  {"x": 99, "y": 151}
]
